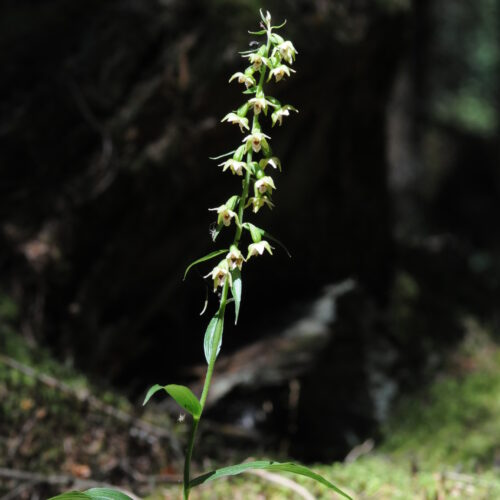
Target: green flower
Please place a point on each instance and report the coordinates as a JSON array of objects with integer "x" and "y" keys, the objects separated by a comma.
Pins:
[
  {"x": 237, "y": 120},
  {"x": 256, "y": 60},
  {"x": 220, "y": 274},
  {"x": 273, "y": 161},
  {"x": 255, "y": 249},
  {"x": 278, "y": 115},
  {"x": 287, "y": 51},
  {"x": 265, "y": 185},
  {"x": 258, "y": 202},
  {"x": 225, "y": 215},
  {"x": 280, "y": 71},
  {"x": 259, "y": 104},
  {"x": 248, "y": 80},
  {"x": 256, "y": 140},
  {"x": 236, "y": 167},
  {"x": 234, "y": 258}
]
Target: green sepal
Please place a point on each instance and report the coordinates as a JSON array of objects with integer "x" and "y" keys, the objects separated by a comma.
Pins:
[
  {"x": 255, "y": 232},
  {"x": 231, "y": 202},
  {"x": 239, "y": 153},
  {"x": 243, "y": 110},
  {"x": 300, "y": 470},
  {"x": 273, "y": 100},
  {"x": 236, "y": 290},
  {"x": 277, "y": 39},
  {"x": 209, "y": 256}
]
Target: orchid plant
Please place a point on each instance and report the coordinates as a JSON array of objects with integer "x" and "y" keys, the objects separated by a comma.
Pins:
[{"x": 253, "y": 161}]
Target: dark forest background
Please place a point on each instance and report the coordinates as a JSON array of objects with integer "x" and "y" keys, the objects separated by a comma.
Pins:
[{"x": 389, "y": 202}]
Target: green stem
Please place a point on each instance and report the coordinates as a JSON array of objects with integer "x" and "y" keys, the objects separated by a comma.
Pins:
[
  {"x": 223, "y": 301},
  {"x": 204, "y": 394}
]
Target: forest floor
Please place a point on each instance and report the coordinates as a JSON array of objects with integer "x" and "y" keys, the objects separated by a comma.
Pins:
[{"x": 59, "y": 431}]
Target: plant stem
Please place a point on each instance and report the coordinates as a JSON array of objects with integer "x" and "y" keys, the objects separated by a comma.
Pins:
[
  {"x": 204, "y": 394},
  {"x": 223, "y": 300}
]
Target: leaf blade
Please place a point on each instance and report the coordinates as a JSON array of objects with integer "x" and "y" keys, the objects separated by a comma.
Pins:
[
  {"x": 268, "y": 465},
  {"x": 213, "y": 336},
  {"x": 106, "y": 494},
  {"x": 209, "y": 256},
  {"x": 152, "y": 390},
  {"x": 185, "y": 398}
]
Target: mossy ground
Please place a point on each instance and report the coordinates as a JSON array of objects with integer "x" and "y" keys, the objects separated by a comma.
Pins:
[{"x": 443, "y": 442}]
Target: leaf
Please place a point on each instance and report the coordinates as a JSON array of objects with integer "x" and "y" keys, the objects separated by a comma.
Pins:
[
  {"x": 106, "y": 494},
  {"x": 152, "y": 390},
  {"x": 209, "y": 256},
  {"x": 272, "y": 238},
  {"x": 236, "y": 290},
  {"x": 93, "y": 494},
  {"x": 185, "y": 398},
  {"x": 213, "y": 336},
  {"x": 222, "y": 155},
  {"x": 268, "y": 465},
  {"x": 71, "y": 495},
  {"x": 255, "y": 232}
]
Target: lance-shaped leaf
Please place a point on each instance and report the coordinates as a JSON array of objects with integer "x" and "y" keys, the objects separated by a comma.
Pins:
[
  {"x": 182, "y": 395},
  {"x": 209, "y": 256},
  {"x": 213, "y": 336},
  {"x": 93, "y": 494},
  {"x": 268, "y": 465},
  {"x": 236, "y": 290}
]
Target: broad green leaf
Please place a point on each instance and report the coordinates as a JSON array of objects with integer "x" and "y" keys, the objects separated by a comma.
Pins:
[
  {"x": 152, "y": 390},
  {"x": 236, "y": 290},
  {"x": 71, "y": 495},
  {"x": 268, "y": 465},
  {"x": 255, "y": 232},
  {"x": 106, "y": 494},
  {"x": 209, "y": 256},
  {"x": 272, "y": 238},
  {"x": 213, "y": 336},
  {"x": 185, "y": 398}
]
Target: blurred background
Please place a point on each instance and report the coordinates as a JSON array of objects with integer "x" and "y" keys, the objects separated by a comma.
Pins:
[{"x": 374, "y": 347}]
